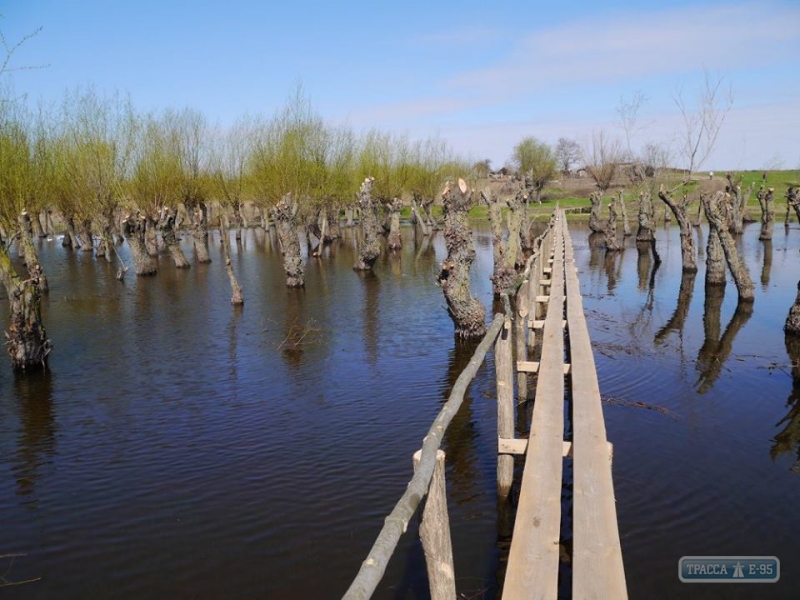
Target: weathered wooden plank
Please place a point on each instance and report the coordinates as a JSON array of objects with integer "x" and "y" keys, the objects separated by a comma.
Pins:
[
  {"x": 597, "y": 567},
  {"x": 434, "y": 531},
  {"x": 504, "y": 370},
  {"x": 520, "y": 446},
  {"x": 520, "y": 339},
  {"x": 533, "y": 559}
]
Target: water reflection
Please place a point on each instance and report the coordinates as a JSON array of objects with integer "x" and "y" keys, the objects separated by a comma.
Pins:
[
  {"x": 788, "y": 440},
  {"x": 371, "y": 314},
  {"x": 766, "y": 265},
  {"x": 716, "y": 350},
  {"x": 459, "y": 442},
  {"x": 296, "y": 328},
  {"x": 36, "y": 441},
  {"x": 678, "y": 318}
]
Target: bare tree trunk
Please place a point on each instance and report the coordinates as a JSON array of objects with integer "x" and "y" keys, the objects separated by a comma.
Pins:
[
  {"x": 237, "y": 218},
  {"x": 134, "y": 228},
  {"x": 26, "y": 338},
  {"x": 594, "y": 216},
  {"x": 70, "y": 238},
  {"x": 611, "y": 228},
  {"x": 151, "y": 237},
  {"x": 626, "y": 228},
  {"x": 371, "y": 247},
  {"x": 421, "y": 221},
  {"x": 36, "y": 226},
  {"x": 28, "y": 252},
  {"x": 767, "y": 213},
  {"x": 166, "y": 224},
  {"x": 715, "y": 258},
  {"x": 236, "y": 290},
  {"x": 284, "y": 213},
  {"x": 334, "y": 231},
  {"x": 503, "y": 276},
  {"x": 48, "y": 221},
  {"x": 86, "y": 240},
  {"x": 348, "y": 216},
  {"x": 467, "y": 312},
  {"x": 646, "y": 218},
  {"x": 199, "y": 224},
  {"x": 688, "y": 257},
  {"x": 741, "y": 277},
  {"x": 793, "y": 201},
  {"x": 395, "y": 241}
]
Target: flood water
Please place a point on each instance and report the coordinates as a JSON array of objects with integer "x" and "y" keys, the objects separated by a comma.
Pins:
[{"x": 180, "y": 448}]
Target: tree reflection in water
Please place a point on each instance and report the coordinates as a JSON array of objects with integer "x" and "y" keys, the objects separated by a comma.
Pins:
[{"x": 788, "y": 440}]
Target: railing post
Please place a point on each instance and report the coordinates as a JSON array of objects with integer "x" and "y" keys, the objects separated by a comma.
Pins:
[
  {"x": 520, "y": 334},
  {"x": 434, "y": 531},
  {"x": 504, "y": 371}
]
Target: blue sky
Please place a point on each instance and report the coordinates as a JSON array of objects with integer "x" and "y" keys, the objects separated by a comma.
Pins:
[{"x": 480, "y": 74}]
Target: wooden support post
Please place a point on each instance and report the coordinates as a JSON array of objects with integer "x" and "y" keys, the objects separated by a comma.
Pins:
[
  {"x": 504, "y": 370},
  {"x": 520, "y": 335},
  {"x": 434, "y": 531}
]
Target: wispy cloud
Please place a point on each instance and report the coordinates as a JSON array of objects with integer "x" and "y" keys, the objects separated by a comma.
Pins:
[{"x": 651, "y": 43}]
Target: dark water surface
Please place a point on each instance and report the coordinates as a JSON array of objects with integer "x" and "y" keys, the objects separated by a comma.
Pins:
[{"x": 180, "y": 448}]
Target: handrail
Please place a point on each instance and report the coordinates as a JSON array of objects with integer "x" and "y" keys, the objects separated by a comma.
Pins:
[{"x": 373, "y": 568}]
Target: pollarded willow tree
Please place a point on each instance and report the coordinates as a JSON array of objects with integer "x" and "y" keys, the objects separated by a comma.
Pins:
[
  {"x": 21, "y": 166},
  {"x": 289, "y": 171},
  {"x": 466, "y": 311}
]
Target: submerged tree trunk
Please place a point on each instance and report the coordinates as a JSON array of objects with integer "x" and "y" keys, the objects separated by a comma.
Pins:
[
  {"x": 715, "y": 258},
  {"x": 395, "y": 241},
  {"x": 134, "y": 228},
  {"x": 151, "y": 237},
  {"x": 166, "y": 224},
  {"x": 199, "y": 218},
  {"x": 767, "y": 213},
  {"x": 70, "y": 238},
  {"x": 741, "y": 277},
  {"x": 26, "y": 338},
  {"x": 236, "y": 290},
  {"x": 334, "y": 231},
  {"x": 611, "y": 228},
  {"x": 688, "y": 257},
  {"x": 467, "y": 312},
  {"x": 594, "y": 215},
  {"x": 646, "y": 218},
  {"x": 503, "y": 275},
  {"x": 284, "y": 213},
  {"x": 793, "y": 201},
  {"x": 420, "y": 218},
  {"x": 86, "y": 239},
  {"x": 237, "y": 218},
  {"x": 28, "y": 252},
  {"x": 626, "y": 228},
  {"x": 371, "y": 247}
]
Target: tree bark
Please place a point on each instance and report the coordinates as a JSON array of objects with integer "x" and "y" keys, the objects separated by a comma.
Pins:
[
  {"x": 395, "y": 241},
  {"x": 26, "y": 338},
  {"x": 611, "y": 228},
  {"x": 688, "y": 258},
  {"x": 594, "y": 216},
  {"x": 715, "y": 258},
  {"x": 236, "y": 290},
  {"x": 741, "y": 277},
  {"x": 70, "y": 239},
  {"x": 626, "y": 228},
  {"x": 199, "y": 224},
  {"x": 502, "y": 276},
  {"x": 28, "y": 252},
  {"x": 767, "y": 213},
  {"x": 86, "y": 239},
  {"x": 793, "y": 201},
  {"x": 371, "y": 247},
  {"x": 134, "y": 228},
  {"x": 467, "y": 312},
  {"x": 284, "y": 213},
  {"x": 166, "y": 224},
  {"x": 647, "y": 219},
  {"x": 420, "y": 218}
]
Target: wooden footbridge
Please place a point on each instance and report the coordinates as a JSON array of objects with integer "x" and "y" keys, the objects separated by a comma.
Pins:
[{"x": 551, "y": 340}]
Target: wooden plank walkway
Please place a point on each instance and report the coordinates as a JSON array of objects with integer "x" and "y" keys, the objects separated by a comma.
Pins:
[{"x": 533, "y": 564}]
